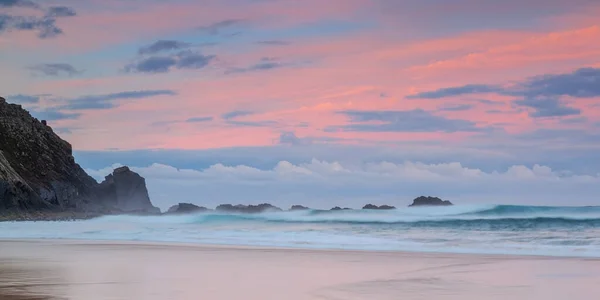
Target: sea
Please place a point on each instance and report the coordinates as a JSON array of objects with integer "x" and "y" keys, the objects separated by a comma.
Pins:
[{"x": 483, "y": 229}]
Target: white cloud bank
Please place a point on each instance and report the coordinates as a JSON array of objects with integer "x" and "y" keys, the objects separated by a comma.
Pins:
[{"x": 322, "y": 184}]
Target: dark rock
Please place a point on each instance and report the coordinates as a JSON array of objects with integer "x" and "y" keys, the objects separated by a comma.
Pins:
[
  {"x": 384, "y": 207},
  {"x": 186, "y": 208},
  {"x": 299, "y": 207},
  {"x": 339, "y": 208},
  {"x": 37, "y": 169},
  {"x": 430, "y": 201},
  {"x": 247, "y": 208},
  {"x": 126, "y": 191},
  {"x": 38, "y": 173}
]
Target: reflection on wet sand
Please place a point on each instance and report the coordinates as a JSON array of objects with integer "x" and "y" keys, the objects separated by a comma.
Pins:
[
  {"x": 94, "y": 270},
  {"x": 17, "y": 283}
]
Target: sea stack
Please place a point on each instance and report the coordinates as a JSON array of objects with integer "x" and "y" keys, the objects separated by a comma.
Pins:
[
  {"x": 38, "y": 173},
  {"x": 430, "y": 201},
  {"x": 126, "y": 191}
]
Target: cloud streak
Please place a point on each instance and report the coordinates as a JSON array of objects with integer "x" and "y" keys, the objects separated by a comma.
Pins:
[
  {"x": 164, "y": 64},
  {"x": 265, "y": 63},
  {"x": 548, "y": 107},
  {"x": 236, "y": 113},
  {"x": 217, "y": 27},
  {"x": 416, "y": 120},
  {"x": 581, "y": 83},
  {"x": 23, "y": 99},
  {"x": 199, "y": 119},
  {"x": 18, "y": 3},
  {"x": 60, "y": 11},
  {"x": 44, "y": 26},
  {"x": 162, "y": 46},
  {"x": 274, "y": 43},
  {"x": 107, "y": 101},
  {"x": 55, "y": 69},
  {"x": 456, "y": 91}
]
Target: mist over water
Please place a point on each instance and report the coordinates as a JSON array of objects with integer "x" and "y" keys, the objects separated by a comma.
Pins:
[{"x": 492, "y": 229}]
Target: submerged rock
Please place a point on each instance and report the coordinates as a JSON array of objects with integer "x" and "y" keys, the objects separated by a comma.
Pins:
[
  {"x": 38, "y": 173},
  {"x": 339, "y": 208},
  {"x": 298, "y": 207},
  {"x": 186, "y": 208},
  {"x": 430, "y": 201},
  {"x": 383, "y": 207},
  {"x": 240, "y": 208}
]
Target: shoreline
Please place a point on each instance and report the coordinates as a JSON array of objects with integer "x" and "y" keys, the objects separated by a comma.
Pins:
[
  {"x": 63, "y": 216},
  {"x": 208, "y": 246},
  {"x": 51, "y": 269}
]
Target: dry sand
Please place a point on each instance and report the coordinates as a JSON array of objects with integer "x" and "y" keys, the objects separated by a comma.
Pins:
[{"x": 100, "y": 270}]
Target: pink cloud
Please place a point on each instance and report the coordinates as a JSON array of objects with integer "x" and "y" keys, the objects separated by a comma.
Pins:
[
  {"x": 110, "y": 23},
  {"x": 362, "y": 71},
  {"x": 565, "y": 49}
]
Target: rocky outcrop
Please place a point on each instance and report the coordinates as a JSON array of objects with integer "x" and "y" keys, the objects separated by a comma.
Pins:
[
  {"x": 126, "y": 191},
  {"x": 339, "y": 208},
  {"x": 430, "y": 201},
  {"x": 383, "y": 207},
  {"x": 37, "y": 168},
  {"x": 38, "y": 173},
  {"x": 298, "y": 207},
  {"x": 240, "y": 208},
  {"x": 186, "y": 208}
]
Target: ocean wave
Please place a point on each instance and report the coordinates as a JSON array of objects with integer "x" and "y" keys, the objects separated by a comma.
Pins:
[
  {"x": 491, "y": 229},
  {"x": 421, "y": 216}
]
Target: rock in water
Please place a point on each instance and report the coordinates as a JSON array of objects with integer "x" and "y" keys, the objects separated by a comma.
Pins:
[
  {"x": 383, "y": 207},
  {"x": 298, "y": 207},
  {"x": 430, "y": 201},
  {"x": 38, "y": 172},
  {"x": 339, "y": 208},
  {"x": 240, "y": 208},
  {"x": 186, "y": 208}
]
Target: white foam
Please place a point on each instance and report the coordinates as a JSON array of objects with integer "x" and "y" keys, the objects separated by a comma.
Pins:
[{"x": 259, "y": 230}]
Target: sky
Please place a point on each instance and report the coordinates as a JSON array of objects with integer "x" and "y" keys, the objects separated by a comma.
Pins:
[{"x": 324, "y": 103}]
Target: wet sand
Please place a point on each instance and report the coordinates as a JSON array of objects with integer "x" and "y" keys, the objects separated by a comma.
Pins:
[{"x": 101, "y": 270}]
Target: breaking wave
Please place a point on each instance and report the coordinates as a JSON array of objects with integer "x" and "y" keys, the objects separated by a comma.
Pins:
[
  {"x": 491, "y": 229},
  {"x": 439, "y": 216}
]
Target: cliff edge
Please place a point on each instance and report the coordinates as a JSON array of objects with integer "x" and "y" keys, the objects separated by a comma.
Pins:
[{"x": 38, "y": 172}]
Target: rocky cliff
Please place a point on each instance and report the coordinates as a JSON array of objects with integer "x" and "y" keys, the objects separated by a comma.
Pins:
[{"x": 38, "y": 172}]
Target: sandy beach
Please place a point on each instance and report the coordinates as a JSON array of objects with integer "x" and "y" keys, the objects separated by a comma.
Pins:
[{"x": 106, "y": 270}]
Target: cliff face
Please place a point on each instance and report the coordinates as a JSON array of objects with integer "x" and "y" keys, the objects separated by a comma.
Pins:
[{"x": 38, "y": 170}]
